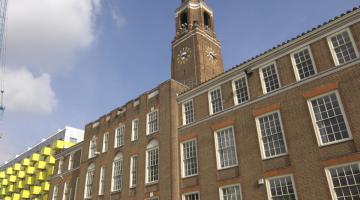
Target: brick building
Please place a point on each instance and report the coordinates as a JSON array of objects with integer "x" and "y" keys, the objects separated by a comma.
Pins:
[{"x": 282, "y": 125}]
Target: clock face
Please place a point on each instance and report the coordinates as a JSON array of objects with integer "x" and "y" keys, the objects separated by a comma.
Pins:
[
  {"x": 211, "y": 55},
  {"x": 184, "y": 55}
]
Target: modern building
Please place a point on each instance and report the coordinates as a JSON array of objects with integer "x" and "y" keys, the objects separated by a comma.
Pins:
[
  {"x": 282, "y": 125},
  {"x": 27, "y": 175}
]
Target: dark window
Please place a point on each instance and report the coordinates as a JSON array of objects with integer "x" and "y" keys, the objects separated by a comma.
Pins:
[
  {"x": 184, "y": 19},
  {"x": 207, "y": 19}
]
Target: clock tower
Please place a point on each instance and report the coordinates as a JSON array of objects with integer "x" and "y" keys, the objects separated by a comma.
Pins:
[{"x": 196, "y": 52}]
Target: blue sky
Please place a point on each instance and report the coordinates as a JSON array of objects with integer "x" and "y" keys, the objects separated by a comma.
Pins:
[{"x": 71, "y": 61}]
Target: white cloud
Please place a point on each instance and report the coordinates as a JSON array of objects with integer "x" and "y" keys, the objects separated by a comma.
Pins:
[
  {"x": 115, "y": 14},
  {"x": 26, "y": 93},
  {"x": 46, "y": 34}
]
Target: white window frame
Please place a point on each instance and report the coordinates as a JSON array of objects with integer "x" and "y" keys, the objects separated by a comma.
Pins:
[
  {"x": 119, "y": 157},
  {"x": 55, "y": 192},
  {"x": 133, "y": 159},
  {"x": 221, "y": 195},
  {"x": 268, "y": 189},
  {"x": 190, "y": 193},
  {"x": 192, "y": 112},
  {"x": 87, "y": 190},
  {"x": 147, "y": 163},
  {"x": 329, "y": 178},
  {"x": 218, "y": 162},
  {"x": 71, "y": 161},
  {"x": 102, "y": 180},
  {"x": 60, "y": 165},
  {"x": 135, "y": 131},
  {"x": 234, "y": 89},
  {"x": 147, "y": 122},
  {"x": 331, "y": 46},
  {"x": 91, "y": 153},
  {"x": 211, "y": 111},
  {"x": 312, "y": 114},
  {"x": 105, "y": 144},
  {"x": 66, "y": 192},
  {"x": 263, "y": 84},
  {"x": 121, "y": 136},
  {"x": 296, "y": 70},
  {"x": 182, "y": 159},
  {"x": 262, "y": 150}
]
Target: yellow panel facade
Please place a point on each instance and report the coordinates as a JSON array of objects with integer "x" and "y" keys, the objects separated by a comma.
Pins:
[
  {"x": 57, "y": 145},
  {"x": 35, "y": 190},
  {"x": 21, "y": 174},
  {"x": 46, "y": 151},
  {"x": 17, "y": 167},
  {"x": 9, "y": 171},
  {"x": 40, "y": 165},
  {"x": 12, "y": 178},
  {"x": 45, "y": 186},
  {"x": 26, "y": 162},
  {"x": 30, "y": 170},
  {"x": 29, "y": 180},
  {"x": 35, "y": 157},
  {"x": 16, "y": 196},
  {"x": 25, "y": 194},
  {"x": 50, "y": 160},
  {"x": 5, "y": 182}
]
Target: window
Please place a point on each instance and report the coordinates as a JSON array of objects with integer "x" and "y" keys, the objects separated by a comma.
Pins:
[
  {"x": 215, "y": 101},
  {"x": 271, "y": 136},
  {"x": 152, "y": 122},
  {"x": 269, "y": 78},
  {"x": 189, "y": 158},
  {"x": 66, "y": 195},
  {"x": 105, "y": 146},
  {"x": 241, "y": 90},
  {"x": 120, "y": 136},
  {"x": 153, "y": 198},
  {"x": 133, "y": 167},
  {"x": 191, "y": 196},
  {"x": 225, "y": 148},
  {"x": 117, "y": 173},
  {"x": 342, "y": 47},
  {"x": 207, "y": 20},
  {"x": 55, "y": 192},
  {"x": 135, "y": 130},
  {"x": 92, "y": 147},
  {"x": 73, "y": 140},
  {"x": 71, "y": 161},
  {"x": 61, "y": 165},
  {"x": 152, "y": 162},
  {"x": 344, "y": 181},
  {"x": 102, "y": 181},
  {"x": 281, "y": 188},
  {"x": 232, "y": 192},
  {"x": 89, "y": 181},
  {"x": 328, "y": 119},
  {"x": 303, "y": 64},
  {"x": 188, "y": 112}
]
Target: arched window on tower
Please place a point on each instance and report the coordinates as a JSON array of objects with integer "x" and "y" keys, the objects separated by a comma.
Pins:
[
  {"x": 207, "y": 20},
  {"x": 184, "y": 21}
]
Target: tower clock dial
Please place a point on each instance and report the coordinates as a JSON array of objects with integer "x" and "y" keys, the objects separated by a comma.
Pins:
[
  {"x": 211, "y": 55},
  {"x": 184, "y": 55}
]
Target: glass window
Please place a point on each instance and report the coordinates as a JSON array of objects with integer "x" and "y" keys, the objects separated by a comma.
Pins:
[
  {"x": 153, "y": 124},
  {"x": 89, "y": 181},
  {"x": 92, "y": 147},
  {"x": 281, "y": 188},
  {"x": 191, "y": 196},
  {"x": 329, "y": 121},
  {"x": 55, "y": 192},
  {"x": 61, "y": 165},
  {"x": 102, "y": 181},
  {"x": 241, "y": 92},
  {"x": 133, "y": 167},
  {"x": 271, "y": 135},
  {"x": 135, "y": 130},
  {"x": 120, "y": 136},
  {"x": 105, "y": 146},
  {"x": 216, "y": 104},
  {"x": 117, "y": 172},
  {"x": 345, "y": 182},
  {"x": 152, "y": 162},
  {"x": 342, "y": 47},
  {"x": 304, "y": 64},
  {"x": 66, "y": 194},
  {"x": 225, "y": 148},
  {"x": 71, "y": 161},
  {"x": 188, "y": 112},
  {"x": 189, "y": 157},
  {"x": 270, "y": 79},
  {"x": 230, "y": 193}
]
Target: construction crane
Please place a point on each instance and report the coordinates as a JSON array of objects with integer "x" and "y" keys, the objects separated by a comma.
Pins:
[{"x": 3, "y": 9}]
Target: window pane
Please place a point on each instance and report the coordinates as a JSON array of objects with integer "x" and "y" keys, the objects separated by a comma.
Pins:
[
  {"x": 188, "y": 112},
  {"x": 343, "y": 47},
  {"x": 270, "y": 78},
  {"x": 194, "y": 196},
  {"x": 304, "y": 64},
  {"x": 153, "y": 165},
  {"x": 231, "y": 193},
  {"x": 216, "y": 101},
  {"x": 282, "y": 188},
  {"x": 330, "y": 121},
  {"x": 190, "y": 158},
  {"x": 345, "y": 179},
  {"x": 226, "y": 148},
  {"x": 241, "y": 90},
  {"x": 272, "y": 135},
  {"x": 153, "y": 125}
]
